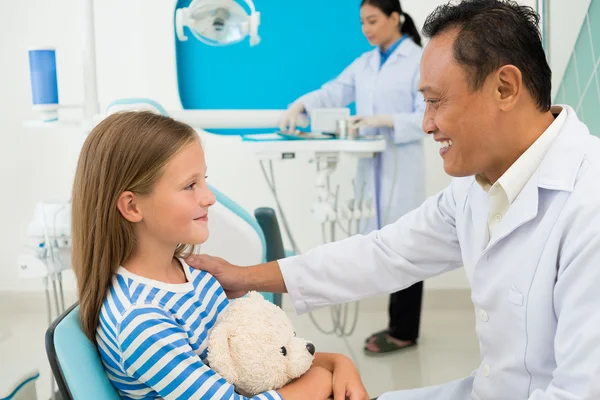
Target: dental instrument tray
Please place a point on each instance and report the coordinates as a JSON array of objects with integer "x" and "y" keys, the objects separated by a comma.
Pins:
[{"x": 305, "y": 136}]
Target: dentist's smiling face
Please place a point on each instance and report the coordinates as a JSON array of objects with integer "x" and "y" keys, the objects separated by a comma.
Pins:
[{"x": 461, "y": 119}]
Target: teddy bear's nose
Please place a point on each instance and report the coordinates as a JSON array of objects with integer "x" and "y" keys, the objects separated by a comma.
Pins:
[{"x": 311, "y": 349}]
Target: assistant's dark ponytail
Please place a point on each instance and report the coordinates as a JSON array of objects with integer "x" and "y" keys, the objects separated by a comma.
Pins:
[{"x": 409, "y": 28}]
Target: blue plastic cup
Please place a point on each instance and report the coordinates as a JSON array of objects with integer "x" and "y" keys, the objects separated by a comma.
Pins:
[{"x": 44, "y": 82}]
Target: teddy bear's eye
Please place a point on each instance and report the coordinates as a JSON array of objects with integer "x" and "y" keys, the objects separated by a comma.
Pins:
[
  {"x": 294, "y": 334},
  {"x": 284, "y": 351}
]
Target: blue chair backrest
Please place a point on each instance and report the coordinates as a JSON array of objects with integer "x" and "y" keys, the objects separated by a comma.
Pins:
[{"x": 75, "y": 362}]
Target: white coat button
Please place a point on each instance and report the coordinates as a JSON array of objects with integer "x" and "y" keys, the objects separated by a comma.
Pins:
[
  {"x": 498, "y": 217},
  {"x": 484, "y": 316},
  {"x": 486, "y": 371}
]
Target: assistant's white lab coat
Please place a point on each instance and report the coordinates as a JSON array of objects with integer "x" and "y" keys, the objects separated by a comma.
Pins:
[
  {"x": 389, "y": 89},
  {"x": 535, "y": 285}
]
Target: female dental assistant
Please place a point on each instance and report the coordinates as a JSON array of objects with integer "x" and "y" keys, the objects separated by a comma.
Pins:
[{"x": 383, "y": 83}]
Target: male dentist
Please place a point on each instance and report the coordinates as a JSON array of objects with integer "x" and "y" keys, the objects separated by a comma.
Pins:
[{"x": 522, "y": 216}]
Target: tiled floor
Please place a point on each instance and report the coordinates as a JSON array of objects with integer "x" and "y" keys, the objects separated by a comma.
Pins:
[{"x": 447, "y": 350}]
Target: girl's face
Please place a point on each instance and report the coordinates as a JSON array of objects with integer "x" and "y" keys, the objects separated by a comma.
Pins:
[{"x": 177, "y": 209}]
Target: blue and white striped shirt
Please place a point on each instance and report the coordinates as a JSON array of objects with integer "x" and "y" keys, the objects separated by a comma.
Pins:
[{"x": 153, "y": 337}]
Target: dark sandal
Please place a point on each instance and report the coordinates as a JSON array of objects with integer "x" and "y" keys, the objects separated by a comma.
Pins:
[
  {"x": 376, "y": 335},
  {"x": 387, "y": 346}
]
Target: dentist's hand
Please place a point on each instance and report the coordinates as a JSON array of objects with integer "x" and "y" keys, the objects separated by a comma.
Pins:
[
  {"x": 230, "y": 276},
  {"x": 291, "y": 117},
  {"x": 371, "y": 121}
]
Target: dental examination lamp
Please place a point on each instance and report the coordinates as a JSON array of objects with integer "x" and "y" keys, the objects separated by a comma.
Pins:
[{"x": 218, "y": 22}]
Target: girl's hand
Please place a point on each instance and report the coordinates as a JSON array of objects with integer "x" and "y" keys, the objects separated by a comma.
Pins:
[
  {"x": 346, "y": 381},
  {"x": 315, "y": 384}
]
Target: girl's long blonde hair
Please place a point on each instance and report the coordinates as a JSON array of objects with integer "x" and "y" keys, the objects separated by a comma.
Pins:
[{"x": 125, "y": 152}]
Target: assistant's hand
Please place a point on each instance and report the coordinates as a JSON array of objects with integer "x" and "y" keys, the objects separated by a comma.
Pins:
[
  {"x": 371, "y": 121},
  {"x": 291, "y": 117},
  {"x": 231, "y": 277}
]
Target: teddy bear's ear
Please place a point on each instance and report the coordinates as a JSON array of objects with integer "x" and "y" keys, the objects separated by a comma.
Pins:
[
  {"x": 219, "y": 353},
  {"x": 255, "y": 296}
]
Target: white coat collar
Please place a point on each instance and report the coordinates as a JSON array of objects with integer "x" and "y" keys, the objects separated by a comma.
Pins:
[
  {"x": 558, "y": 171},
  {"x": 402, "y": 50}
]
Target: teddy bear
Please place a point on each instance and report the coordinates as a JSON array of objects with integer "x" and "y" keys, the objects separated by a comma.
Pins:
[{"x": 254, "y": 347}]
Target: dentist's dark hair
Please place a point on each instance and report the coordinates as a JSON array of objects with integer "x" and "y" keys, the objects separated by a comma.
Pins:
[
  {"x": 388, "y": 7},
  {"x": 494, "y": 33}
]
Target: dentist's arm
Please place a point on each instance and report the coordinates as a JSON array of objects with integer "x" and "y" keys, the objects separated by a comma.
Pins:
[
  {"x": 419, "y": 245},
  {"x": 236, "y": 280}
]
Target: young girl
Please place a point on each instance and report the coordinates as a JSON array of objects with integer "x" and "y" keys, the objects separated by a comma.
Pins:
[{"x": 139, "y": 199}]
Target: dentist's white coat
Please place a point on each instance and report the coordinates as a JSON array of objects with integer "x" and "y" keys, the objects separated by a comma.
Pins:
[{"x": 535, "y": 285}]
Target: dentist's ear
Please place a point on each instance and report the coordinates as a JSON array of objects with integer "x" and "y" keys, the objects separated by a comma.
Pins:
[
  {"x": 508, "y": 86},
  {"x": 129, "y": 207}
]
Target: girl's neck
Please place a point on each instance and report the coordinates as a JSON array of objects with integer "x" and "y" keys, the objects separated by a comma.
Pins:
[{"x": 156, "y": 261}]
